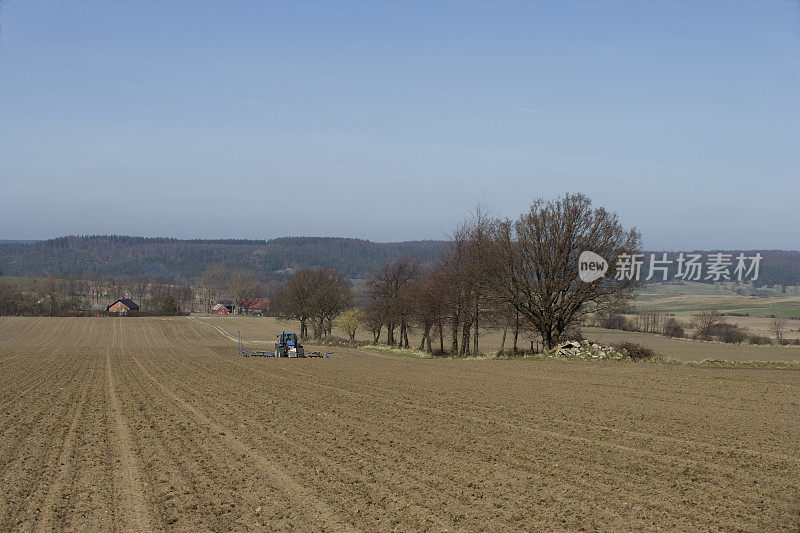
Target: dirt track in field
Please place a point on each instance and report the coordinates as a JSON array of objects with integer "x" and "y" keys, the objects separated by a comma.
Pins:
[{"x": 154, "y": 423}]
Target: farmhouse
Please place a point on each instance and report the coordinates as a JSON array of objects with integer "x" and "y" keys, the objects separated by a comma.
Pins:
[
  {"x": 122, "y": 306},
  {"x": 220, "y": 309},
  {"x": 254, "y": 306}
]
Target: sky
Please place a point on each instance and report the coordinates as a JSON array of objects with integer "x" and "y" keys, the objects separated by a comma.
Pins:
[{"x": 391, "y": 120}]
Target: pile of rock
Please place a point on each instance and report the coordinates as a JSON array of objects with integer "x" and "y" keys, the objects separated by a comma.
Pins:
[{"x": 588, "y": 350}]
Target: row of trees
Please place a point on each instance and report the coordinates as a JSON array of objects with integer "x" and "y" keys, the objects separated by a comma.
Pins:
[
  {"x": 519, "y": 276},
  {"x": 314, "y": 297},
  {"x": 53, "y": 296},
  {"x": 68, "y": 295},
  {"x": 706, "y": 325}
]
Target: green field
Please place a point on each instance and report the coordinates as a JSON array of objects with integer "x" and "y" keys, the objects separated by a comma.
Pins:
[{"x": 692, "y": 298}]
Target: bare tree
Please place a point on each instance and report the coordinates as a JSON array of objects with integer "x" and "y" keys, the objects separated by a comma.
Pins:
[
  {"x": 184, "y": 296},
  {"x": 478, "y": 231},
  {"x": 213, "y": 282},
  {"x": 138, "y": 288},
  {"x": 292, "y": 302},
  {"x": 315, "y": 296},
  {"x": 707, "y": 324},
  {"x": 428, "y": 310},
  {"x": 390, "y": 297},
  {"x": 778, "y": 327},
  {"x": 455, "y": 292},
  {"x": 331, "y": 297},
  {"x": 10, "y": 297},
  {"x": 535, "y": 262},
  {"x": 243, "y": 284},
  {"x": 375, "y": 317}
]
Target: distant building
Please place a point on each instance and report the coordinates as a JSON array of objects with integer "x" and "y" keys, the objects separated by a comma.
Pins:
[
  {"x": 123, "y": 306},
  {"x": 221, "y": 309},
  {"x": 254, "y": 306}
]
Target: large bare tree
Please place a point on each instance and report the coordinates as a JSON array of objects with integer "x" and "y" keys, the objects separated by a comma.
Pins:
[{"x": 534, "y": 262}]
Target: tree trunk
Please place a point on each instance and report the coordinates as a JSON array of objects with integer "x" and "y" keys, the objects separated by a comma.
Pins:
[
  {"x": 547, "y": 339},
  {"x": 516, "y": 332},
  {"x": 426, "y": 336},
  {"x": 465, "y": 339},
  {"x": 475, "y": 335},
  {"x": 454, "y": 344},
  {"x": 426, "y": 339},
  {"x": 503, "y": 342},
  {"x": 441, "y": 338}
]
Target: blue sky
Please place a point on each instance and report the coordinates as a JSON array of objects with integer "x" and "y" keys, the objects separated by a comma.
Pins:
[{"x": 391, "y": 120}]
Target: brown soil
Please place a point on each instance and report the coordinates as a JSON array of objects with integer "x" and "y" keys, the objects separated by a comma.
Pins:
[{"x": 152, "y": 423}]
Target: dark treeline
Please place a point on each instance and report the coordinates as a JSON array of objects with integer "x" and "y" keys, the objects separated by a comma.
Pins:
[
  {"x": 180, "y": 260},
  {"x": 175, "y": 259},
  {"x": 778, "y": 268}
]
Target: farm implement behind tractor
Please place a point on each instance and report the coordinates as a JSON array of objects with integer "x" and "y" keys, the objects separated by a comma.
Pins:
[{"x": 287, "y": 345}]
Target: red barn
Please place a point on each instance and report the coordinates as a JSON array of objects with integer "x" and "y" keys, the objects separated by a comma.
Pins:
[
  {"x": 254, "y": 306},
  {"x": 219, "y": 309}
]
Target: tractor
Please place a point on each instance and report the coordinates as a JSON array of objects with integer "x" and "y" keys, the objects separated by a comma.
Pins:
[{"x": 288, "y": 346}]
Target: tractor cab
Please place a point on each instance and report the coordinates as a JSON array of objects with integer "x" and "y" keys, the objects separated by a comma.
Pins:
[{"x": 288, "y": 346}]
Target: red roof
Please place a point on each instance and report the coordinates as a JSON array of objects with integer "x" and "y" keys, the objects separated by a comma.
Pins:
[{"x": 254, "y": 303}]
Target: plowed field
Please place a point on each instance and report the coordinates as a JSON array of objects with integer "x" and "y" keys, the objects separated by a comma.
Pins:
[{"x": 148, "y": 423}]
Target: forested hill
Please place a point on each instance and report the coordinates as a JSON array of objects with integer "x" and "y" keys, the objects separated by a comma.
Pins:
[{"x": 111, "y": 255}]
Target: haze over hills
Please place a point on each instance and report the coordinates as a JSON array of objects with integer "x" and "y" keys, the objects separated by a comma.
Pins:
[{"x": 112, "y": 255}]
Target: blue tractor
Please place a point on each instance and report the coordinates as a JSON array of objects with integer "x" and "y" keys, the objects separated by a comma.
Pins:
[{"x": 288, "y": 346}]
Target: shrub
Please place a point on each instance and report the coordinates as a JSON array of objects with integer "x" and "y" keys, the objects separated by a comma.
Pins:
[
  {"x": 351, "y": 321},
  {"x": 707, "y": 324},
  {"x": 758, "y": 339},
  {"x": 637, "y": 352},
  {"x": 731, "y": 333},
  {"x": 789, "y": 342},
  {"x": 614, "y": 321},
  {"x": 673, "y": 328},
  {"x": 168, "y": 306}
]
